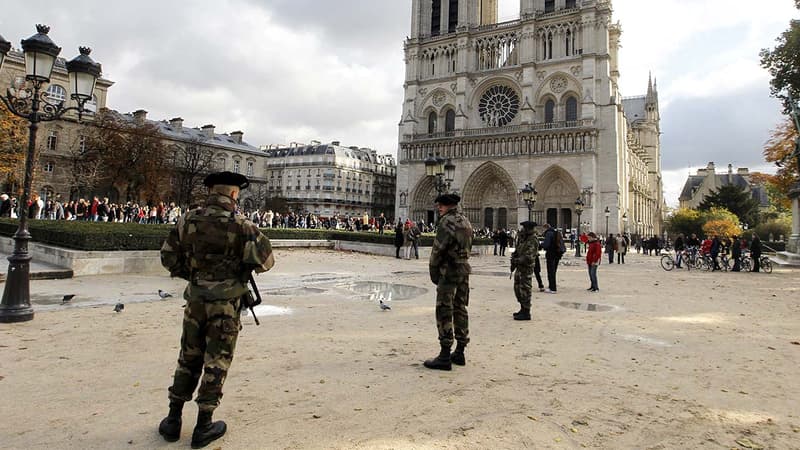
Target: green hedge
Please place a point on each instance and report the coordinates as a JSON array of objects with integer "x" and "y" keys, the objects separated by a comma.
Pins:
[{"x": 104, "y": 236}]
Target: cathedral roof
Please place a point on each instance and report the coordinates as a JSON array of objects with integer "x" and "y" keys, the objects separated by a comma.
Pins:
[{"x": 634, "y": 108}]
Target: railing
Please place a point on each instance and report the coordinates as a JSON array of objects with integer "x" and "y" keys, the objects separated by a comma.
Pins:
[{"x": 510, "y": 129}]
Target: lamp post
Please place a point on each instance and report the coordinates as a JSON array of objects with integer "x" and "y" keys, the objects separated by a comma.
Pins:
[
  {"x": 608, "y": 214},
  {"x": 529, "y": 196},
  {"x": 29, "y": 102},
  {"x": 578, "y": 210},
  {"x": 441, "y": 171}
]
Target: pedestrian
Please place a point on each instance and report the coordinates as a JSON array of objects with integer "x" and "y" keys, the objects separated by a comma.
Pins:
[
  {"x": 611, "y": 243},
  {"x": 593, "y": 256},
  {"x": 398, "y": 238},
  {"x": 522, "y": 261},
  {"x": 415, "y": 234},
  {"x": 449, "y": 270},
  {"x": 554, "y": 249},
  {"x": 755, "y": 253},
  {"x": 503, "y": 241},
  {"x": 407, "y": 238},
  {"x": 715, "y": 249},
  {"x": 736, "y": 254},
  {"x": 679, "y": 247},
  {"x": 622, "y": 249},
  {"x": 214, "y": 248},
  {"x": 5, "y": 205},
  {"x": 380, "y": 223}
]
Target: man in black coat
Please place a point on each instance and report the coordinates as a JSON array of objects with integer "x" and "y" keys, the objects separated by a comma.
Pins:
[
  {"x": 554, "y": 249},
  {"x": 755, "y": 253},
  {"x": 736, "y": 253}
]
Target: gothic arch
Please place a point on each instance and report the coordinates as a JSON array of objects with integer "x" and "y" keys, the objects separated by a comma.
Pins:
[
  {"x": 422, "y": 197},
  {"x": 573, "y": 85},
  {"x": 481, "y": 87},
  {"x": 427, "y": 102},
  {"x": 557, "y": 192},
  {"x": 490, "y": 186}
]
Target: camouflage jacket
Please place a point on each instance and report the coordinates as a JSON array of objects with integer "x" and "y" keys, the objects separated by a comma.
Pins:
[
  {"x": 526, "y": 251},
  {"x": 450, "y": 251},
  {"x": 214, "y": 248}
]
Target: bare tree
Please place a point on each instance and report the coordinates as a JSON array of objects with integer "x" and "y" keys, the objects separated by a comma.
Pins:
[
  {"x": 87, "y": 167},
  {"x": 192, "y": 162}
]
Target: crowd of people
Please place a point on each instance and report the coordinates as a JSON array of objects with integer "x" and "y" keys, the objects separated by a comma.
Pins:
[{"x": 716, "y": 248}]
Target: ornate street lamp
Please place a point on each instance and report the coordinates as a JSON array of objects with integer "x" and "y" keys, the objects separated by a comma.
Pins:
[
  {"x": 529, "y": 196},
  {"x": 30, "y": 103},
  {"x": 608, "y": 214},
  {"x": 442, "y": 171},
  {"x": 578, "y": 210}
]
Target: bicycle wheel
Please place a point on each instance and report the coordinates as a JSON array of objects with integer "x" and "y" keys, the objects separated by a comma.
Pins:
[
  {"x": 766, "y": 265},
  {"x": 747, "y": 264},
  {"x": 667, "y": 263}
]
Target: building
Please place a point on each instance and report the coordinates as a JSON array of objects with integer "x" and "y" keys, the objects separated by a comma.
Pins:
[
  {"x": 329, "y": 179},
  {"x": 58, "y": 142},
  {"x": 534, "y": 100},
  {"x": 707, "y": 180}
]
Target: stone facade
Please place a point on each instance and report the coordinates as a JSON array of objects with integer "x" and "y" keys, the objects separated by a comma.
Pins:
[
  {"x": 58, "y": 140},
  {"x": 707, "y": 180},
  {"x": 534, "y": 100},
  {"x": 329, "y": 179}
]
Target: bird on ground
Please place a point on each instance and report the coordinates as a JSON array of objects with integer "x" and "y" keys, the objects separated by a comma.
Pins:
[
  {"x": 164, "y": 294},
  {"x": 119, "y": 307},
  {"x": 67, "y": 298},
  {"x": 384, "y": 306}
]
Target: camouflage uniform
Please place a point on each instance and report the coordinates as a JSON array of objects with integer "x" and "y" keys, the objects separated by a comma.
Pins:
[
  {"x": 523, "y": 260},
  {"x": 449, "y": 270},
  {"x": 214, "y": 249}
]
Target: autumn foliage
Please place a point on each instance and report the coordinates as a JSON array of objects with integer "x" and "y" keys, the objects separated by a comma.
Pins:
[{"x": 13, "y": 144}]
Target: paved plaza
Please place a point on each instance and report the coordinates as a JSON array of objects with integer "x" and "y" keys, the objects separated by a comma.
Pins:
[{"x": 655, "y": 360}]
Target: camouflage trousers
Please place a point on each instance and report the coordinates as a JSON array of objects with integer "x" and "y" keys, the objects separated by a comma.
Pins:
[
  {"x": 523, "y": 286},
  {"x": 452, "y": 299},
  {"x": 210, "y": 329}
]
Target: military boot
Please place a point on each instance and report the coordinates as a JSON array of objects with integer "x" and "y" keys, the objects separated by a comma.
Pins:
[
  {"x": 457, "y": 357},
  {"x": 207, "y": 431},
  {"x": 441, "y": 362},
  {"x": 170, "y": 426},
  {"x": 523, "y": 314}
]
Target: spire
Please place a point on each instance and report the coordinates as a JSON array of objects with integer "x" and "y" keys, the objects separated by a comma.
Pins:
[{"x": 651, "y": 95}]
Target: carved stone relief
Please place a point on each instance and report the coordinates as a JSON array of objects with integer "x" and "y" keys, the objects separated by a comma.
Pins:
[{"x": 558, "y": 84}]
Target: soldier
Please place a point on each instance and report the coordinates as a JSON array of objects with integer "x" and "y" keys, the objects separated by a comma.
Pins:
[
  {"x": 522, "y": 262},
  {"x": 449, "y": 270},
  {"x": 214, "y": 248}
]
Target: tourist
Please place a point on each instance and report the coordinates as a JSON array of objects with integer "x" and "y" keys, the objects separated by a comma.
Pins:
[
  {"x": 593, "y": 256},
  {"x": 554, "y": 249},
  {"x": 611, "y": 245},
  {"x": 755, "y": 253},
  {"x": 398, "y": 238}
]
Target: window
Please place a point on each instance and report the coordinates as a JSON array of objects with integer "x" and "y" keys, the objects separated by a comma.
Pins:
[
  {"x": 56, "y": 94},
  {"x": 568, "y": 42},
  {"x": 52, "y": 140},
  {"x": 221, "y": 163},
  {"x": 452, "y": 19},
  {"x": 572, "y": 109},
  {"x": 570, "y": 4},
  {"x": 549, "y": 46},
  {"x": 450, "y": 120},
  {"x": 549, "y": 5},
  {"x": 249, "y": 168},
  {"x": 549, "y": 110},
  {"x": 48, "y": 167},
  {"x": 436, "y": 17},
  {"x": 432, "y": 123}
]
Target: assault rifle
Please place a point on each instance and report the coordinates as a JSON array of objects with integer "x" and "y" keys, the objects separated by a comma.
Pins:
[{"x": 249, "y": 302}]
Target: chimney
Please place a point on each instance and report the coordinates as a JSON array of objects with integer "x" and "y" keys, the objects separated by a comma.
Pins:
[
  {"x": 237, "y": 136},
  {"x": 743, "y": 171},
  {"x": 315, "y": 142},
  {"x": 336, "y": 143},
  {"x": 711, "y": 168},
  {"x": 208, "y": 131},
  {"x": 140, "y": 116},
  {"x": 176, "y": 123},
  {"x": 730, "y": 173}
]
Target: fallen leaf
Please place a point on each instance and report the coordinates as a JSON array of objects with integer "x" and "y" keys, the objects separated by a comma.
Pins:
[
  {"x": 573, "y": 429},
  {"x": 771, "y": 348},
  {"x": 747, "y": 443},
  {"x": 316, "y": 416},
  {"x": 580, "y": 422},
  {"x": 795, "y": 342},
  {"x": 533, "y": 418},
  {"x": 136, "y": 384},
  {"x": 558, "y": 439}
]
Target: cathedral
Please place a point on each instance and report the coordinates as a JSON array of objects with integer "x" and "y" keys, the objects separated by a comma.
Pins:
[{"x": 530, "y": 101}]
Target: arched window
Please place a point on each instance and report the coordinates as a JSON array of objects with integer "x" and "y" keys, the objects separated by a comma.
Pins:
[
  {"x": 549, "y": 111},
  {"x": 450, "y": 120},
  {"x": 568, "y": 42},
  {"x": 56, "y": 93},
  {"x": 572, "y": 110},
  {"x": 549, "y": 46},
  {"x": 432, "y": 123},
  {"x": 436, "y": 17}
]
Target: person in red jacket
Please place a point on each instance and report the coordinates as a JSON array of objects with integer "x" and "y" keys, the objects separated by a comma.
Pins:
[{"x": 593, "y": 256}]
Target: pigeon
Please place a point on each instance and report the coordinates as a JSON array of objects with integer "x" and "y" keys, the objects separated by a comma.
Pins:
[
  {"x": 163, "y": 294},
  {"x": 384, "y": 306},
  {"x": 67, "y": 298},
  {"x": 119, "y": 307}
]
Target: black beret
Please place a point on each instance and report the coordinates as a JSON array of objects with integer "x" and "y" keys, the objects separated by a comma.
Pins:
[
  {"x": 228, "y": 179},
  {"x": 448, "y": 199},
  {"x": 528, "y": 224}
]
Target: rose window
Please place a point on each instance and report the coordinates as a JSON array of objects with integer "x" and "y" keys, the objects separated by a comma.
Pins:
[{"x": 498, "y": 106}]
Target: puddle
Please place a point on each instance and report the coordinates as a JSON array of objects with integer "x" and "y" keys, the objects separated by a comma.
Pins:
[
  {"x": 268, "y": 310},
  {"x": 490, "y": 274},
  {"x": 594, "y": 307},
  {"x": 377, "y": 290},
  {"x": 645, "y": 340},
  {"x": 294, "y": 291},
  {"x": 324, "y": 277}
]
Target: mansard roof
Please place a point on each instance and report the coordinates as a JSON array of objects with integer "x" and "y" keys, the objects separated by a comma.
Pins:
[
  {"x": 362, "y": 154},
  {"x": 694, "y": 182}
]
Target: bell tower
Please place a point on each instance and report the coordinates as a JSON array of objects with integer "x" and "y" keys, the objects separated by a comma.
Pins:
[{"x": 438, "y": 17}]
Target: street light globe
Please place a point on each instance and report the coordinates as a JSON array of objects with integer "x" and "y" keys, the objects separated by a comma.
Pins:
[
  {"x": 449, "y": 171},
  {"x": 5, "y": 47},
  {"x": 83, "y": 73},
  {"x": 40, "y": 54}
]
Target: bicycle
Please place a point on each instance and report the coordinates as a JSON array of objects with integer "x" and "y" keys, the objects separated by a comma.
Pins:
[{"x": 668, "y": 262}]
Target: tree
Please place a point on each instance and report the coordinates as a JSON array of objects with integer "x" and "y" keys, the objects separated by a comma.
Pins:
[
  {"x": 686, "y": 221},
  {"x": 778, "y": 150},
  {"x": 133, "y": 156},
  {"x": 734, "y": 199},
  {"x": 191, "y": 163},
  {"x": 277, "y": 204},
  {"x": 86, "y": 168},
  {"x": 783, "y": 63},
  {"x": 724, "y": 229},
  {"x": 13, "y": 144}
]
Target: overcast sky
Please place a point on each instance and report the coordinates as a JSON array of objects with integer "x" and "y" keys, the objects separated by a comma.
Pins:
[{"x": 295, "y": 70}]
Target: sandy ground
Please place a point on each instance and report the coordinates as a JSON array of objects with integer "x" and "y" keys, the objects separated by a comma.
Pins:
[{"x": 667, "y": 360}]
